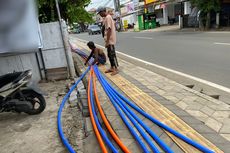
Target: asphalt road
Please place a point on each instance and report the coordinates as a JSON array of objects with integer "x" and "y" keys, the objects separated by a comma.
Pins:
[{"x": 203, "y": 55}]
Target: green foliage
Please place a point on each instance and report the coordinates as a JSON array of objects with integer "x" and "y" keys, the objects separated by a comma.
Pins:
[
  {"x": 71, "y": 11},
  {"x": 207, "y": 5}
]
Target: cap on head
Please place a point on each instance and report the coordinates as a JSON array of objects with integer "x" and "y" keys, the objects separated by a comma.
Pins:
[{"x": 101, "y": 9}]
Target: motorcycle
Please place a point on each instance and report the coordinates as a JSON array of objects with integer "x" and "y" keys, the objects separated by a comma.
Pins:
[{"x": 18, "y": 94}]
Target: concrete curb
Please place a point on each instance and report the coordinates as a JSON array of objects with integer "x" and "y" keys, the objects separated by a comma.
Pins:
[{"x": 203, "y": 86}]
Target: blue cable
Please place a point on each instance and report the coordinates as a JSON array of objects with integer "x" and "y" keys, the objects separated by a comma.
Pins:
[
  {"x": 102, "y": 132},
  {"x": 110, "y": 94},
  {"x": 150, "y": 132},
  {"x": 144, "y": 148},
  {"x": 146, "y": 137},
  {"x": 167, "y": 128},
  {"x": 59, "y": 124}
]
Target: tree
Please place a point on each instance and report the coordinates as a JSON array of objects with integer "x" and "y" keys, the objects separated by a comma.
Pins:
[
  {"x": 206, "y": 7},
  {"x": 71, "y": 11}
]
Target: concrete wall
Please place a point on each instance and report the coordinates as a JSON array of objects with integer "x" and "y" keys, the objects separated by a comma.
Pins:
[
  {"x": 53, "y": 48},
  {"x": 22, "y": 62},
  {"x": 53, "y": 53}
]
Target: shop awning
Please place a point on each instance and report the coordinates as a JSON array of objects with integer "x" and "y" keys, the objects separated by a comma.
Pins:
[
  {"x": 175, "y": 1},
  {"x": 147, "y": 2},
  {"x": 157, "y": 2},
  {"x": 159, "y": 6}
]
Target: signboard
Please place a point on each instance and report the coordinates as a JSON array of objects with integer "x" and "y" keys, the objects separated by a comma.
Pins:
[
  {"x": 19, "y": 27},
  {"x": 150, "y": 1},
  {"x": 127, "y": 9},
  {"x": 130, "y": 8},
  {"x": 117, "y": 14},
  {"x": 123, "y": 11},
  {"x": 157, "y": 7}
]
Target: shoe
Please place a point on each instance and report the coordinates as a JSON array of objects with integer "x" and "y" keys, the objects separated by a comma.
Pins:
[
  {"x": 114, "y": 73},
  {"x": 109, "y": 71}
]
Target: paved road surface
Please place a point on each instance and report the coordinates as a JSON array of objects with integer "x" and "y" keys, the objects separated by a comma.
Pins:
[{"x": 203, "y": 55}]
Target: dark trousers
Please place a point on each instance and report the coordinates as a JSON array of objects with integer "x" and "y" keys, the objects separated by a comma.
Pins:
[{"x": 112, "y": 56}]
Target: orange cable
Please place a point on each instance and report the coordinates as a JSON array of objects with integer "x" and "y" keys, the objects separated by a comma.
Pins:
[
  {"x": 108, "y": 126},
  {"x": 101, "y": 143}
]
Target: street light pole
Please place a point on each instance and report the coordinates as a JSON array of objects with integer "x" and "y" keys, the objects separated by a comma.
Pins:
[
  {"x": 118, "y": 9},
  {"x": 64, "y": 35},
  {"x": 58, "y": 10}
]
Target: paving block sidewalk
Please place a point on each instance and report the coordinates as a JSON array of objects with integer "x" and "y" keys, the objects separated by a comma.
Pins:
[{"x": 208, "y": 116}]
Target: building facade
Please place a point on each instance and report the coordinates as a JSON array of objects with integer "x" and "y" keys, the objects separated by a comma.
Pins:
[{"x": 169, "y": 12}]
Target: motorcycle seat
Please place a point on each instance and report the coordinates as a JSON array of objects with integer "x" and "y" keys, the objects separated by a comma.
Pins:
[{"x": 9, "y": 78}]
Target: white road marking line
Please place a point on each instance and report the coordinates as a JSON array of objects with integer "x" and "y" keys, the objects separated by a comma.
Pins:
[
  {"x": 171, "y": 70},
  {"x": 143, "y": 38},
  {"x": 219, "y": 43},
  {"x": 218, "y": 32}
]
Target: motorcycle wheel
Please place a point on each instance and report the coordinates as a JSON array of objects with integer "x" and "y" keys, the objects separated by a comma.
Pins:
[{"x": 37, "y": 100}]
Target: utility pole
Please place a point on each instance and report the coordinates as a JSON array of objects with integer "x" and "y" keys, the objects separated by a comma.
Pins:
[
  {"x": 118, "y": 9},
  {"x": 58, "y": 10},
  {"x": 64, "y": 34}
]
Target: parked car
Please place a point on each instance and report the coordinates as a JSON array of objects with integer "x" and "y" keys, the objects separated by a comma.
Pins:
[
  {"x": 74, "y": 30},
  {"x": 94, "y": 29},
  {"x": 77, "y": 30}
]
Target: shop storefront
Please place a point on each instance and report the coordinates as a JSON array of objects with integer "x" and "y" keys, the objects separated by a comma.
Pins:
[
  {"x": 167, "y": 11},
  {"x": 163, "y": 12},
  {"x": 155, "y": 13}
]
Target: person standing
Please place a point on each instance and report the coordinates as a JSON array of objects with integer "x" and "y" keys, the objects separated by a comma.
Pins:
[
  {"x": 103, "y": 28},
  {"x": 110, "y": 39}
]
